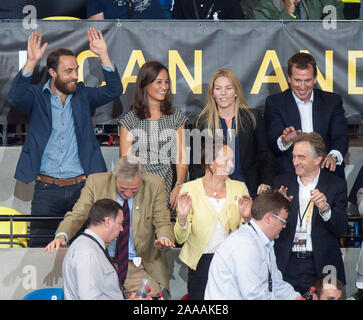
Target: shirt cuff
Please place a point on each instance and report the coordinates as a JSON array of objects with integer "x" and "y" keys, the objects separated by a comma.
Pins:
[
  {"x": 107, "y": 68},
  {"x": 360, "y": 208},
  {"x": 62, "y": 234},
  {"x": 326, "y": 216},
  {"x": 28, "y": 74},
  {"x": 338, "y": 155},
  {"x": 281, "y": 145}
]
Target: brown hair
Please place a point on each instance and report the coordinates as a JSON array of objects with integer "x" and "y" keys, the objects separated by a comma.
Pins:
[
  {"x": 326, "y": 278},
  {"x": 146, "y": 75},
  {"x": 210, "y": 150},
  {"x": 316, "y": 142},
  {"x": 53, "y": 57},
  {"x": 101, "y": 209},
  {"x": 269, "y": 201},
  {"x": 301, "y": 61}
]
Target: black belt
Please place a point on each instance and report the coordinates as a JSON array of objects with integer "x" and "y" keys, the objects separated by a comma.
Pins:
[{"x": 303, "y": 254}]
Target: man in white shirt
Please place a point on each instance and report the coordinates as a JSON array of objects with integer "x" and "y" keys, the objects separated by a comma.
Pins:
[
  {"x": 309, "y": 246},
  {"x": 244, "y": 265},
  {"x": 88, "y": 272},
  {"x": 302, "y": 108}
]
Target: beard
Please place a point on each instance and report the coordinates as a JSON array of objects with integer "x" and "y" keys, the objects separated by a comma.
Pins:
[{"x": 65, "y": 87}]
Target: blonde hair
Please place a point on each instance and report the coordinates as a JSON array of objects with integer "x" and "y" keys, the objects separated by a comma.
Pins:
[{"x": 210, "y": 110}]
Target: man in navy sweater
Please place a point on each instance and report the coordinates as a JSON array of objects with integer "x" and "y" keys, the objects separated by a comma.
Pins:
[{"x": 60, "y": 149}]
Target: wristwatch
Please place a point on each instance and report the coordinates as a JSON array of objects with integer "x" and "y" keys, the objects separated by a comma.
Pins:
[
  {"x": 325, "y": 210},
  {"x": 334, "y": 157}
]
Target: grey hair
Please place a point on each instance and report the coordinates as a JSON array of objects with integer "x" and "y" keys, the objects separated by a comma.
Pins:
[{"x": 128, "y": 167}]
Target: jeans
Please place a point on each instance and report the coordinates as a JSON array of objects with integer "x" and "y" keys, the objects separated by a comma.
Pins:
[{"x": 50, "y": 200}]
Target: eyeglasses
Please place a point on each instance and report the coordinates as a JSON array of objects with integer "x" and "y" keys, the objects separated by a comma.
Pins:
[{"x": 281, "y": 219}]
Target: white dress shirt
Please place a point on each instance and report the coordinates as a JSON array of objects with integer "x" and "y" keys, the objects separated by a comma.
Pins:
[
  {"x": 305, "y": 224},
  {"x": 87, "y": 273},
  {"x": 240, "y": 267},
  {"x": 306, "y": 117}
]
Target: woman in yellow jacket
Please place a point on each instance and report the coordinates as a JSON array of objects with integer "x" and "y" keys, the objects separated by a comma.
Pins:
[{"x": 209, "y": 209}]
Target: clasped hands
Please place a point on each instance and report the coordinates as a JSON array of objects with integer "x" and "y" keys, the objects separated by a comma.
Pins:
[{"x": 318, "y": 198}]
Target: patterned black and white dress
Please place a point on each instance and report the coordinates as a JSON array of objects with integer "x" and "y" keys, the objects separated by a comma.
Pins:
[{"x": 154, "y": 142}]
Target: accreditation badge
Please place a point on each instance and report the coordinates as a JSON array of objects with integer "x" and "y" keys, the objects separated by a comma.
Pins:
[{"x": 300, "y": 241}]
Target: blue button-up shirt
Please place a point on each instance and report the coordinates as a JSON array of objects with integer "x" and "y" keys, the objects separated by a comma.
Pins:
[{"x": 60, "y": 158}]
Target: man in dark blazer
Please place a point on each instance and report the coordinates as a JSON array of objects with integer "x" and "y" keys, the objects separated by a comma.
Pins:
[
  {"x": 305, "y": 109},
  {"x": 61, "y": 148},
  {"x": 309, "y": 245}
]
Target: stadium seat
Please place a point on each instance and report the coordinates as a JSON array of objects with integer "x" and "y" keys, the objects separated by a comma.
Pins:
[
  {"x": 45, "y": 294},
  {"x": 19, "y": 227}
]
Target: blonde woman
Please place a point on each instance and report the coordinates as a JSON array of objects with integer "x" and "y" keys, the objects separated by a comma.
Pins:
[{"x": 227, "y": 113}]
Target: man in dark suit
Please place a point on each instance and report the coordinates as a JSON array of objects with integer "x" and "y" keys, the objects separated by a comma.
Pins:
[
  {"x": 309, "y": 245},
  {"x": 305, "y": 109},
  {"x": 61, "y": 149}
]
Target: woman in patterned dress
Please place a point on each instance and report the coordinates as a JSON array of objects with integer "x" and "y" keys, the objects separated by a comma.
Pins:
[{"x": 153, "y": 128}]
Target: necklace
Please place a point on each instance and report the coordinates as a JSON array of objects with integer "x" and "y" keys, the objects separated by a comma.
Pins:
[{"x": 209, "y": 189}]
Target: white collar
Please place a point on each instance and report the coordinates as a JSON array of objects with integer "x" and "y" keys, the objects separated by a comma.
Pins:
[
  {"x": 313, "y": 182},
  {"x": 299, "y": 101},
  {"x": 97, "y": 237},
  {"x": 265, "y": 241}
]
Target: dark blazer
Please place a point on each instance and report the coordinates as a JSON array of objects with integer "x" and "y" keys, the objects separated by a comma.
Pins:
[
  {"x": 36, "y": 104},
  {"x": 328, "y": 120},
  {"x": 324, "y": 235},
  {"x": 257, "y": 159}
]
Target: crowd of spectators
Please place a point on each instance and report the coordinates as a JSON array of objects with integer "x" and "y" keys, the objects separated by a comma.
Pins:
[
  {"x": 271, "y": 203},
  {"x": 179, "y": 9}
]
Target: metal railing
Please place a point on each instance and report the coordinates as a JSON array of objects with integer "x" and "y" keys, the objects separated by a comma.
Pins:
[
  {"x": 23, "y": 218},
  {"x": 13, "y": 218}
]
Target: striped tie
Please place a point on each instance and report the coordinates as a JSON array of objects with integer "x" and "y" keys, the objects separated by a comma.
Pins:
[{"x": 122, "y": 245}]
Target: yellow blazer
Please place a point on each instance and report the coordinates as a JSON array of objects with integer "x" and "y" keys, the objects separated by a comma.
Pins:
[
  {"x": 202, "y": 218},
  {"x": 150, "y": 218}
]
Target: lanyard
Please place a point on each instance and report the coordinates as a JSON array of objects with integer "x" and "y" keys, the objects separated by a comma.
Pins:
[
  {"x": 269, "y": 279},
  {"x": 102, "y": 248},
  {"x": 106, "y": 254},
  {"x": 308, "y": 209}
]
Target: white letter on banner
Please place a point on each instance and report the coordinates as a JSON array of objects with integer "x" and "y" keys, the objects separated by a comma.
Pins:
[
  {"x": 331, "y": 275},
  {"x": 30, "y": 20},
  {"x": 30, "y": 280},
  {"x": 330, "y": 21}
]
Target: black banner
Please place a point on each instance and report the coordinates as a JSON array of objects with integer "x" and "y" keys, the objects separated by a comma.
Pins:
[{"x": 256, "y": 50}]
